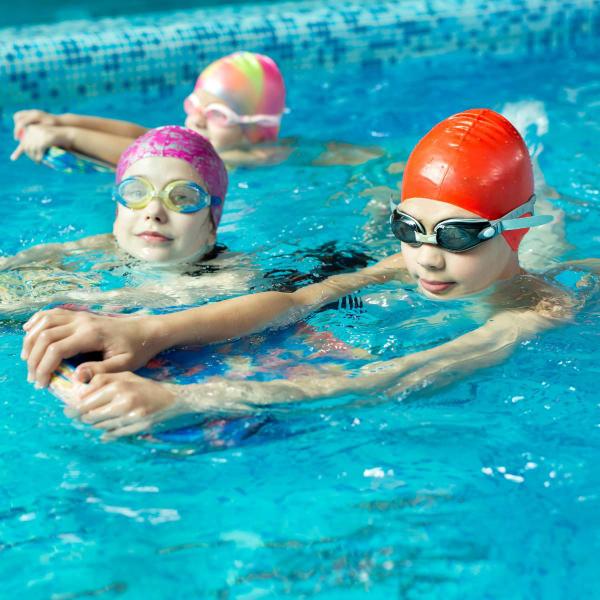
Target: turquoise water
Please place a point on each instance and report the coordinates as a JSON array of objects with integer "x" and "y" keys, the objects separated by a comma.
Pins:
[
  {"x": 45, "y": 11},
  {"x": 485, "y": 489}
]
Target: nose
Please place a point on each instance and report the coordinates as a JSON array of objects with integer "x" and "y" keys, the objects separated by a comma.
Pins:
[
  {"x": 156, "y": 211},
  {"x": 431, "y": 257},
  {"x": 196, "y": 120}
]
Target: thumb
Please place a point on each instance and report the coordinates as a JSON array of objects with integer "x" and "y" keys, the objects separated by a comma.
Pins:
[
  {"x": 86, "y": 371},
  {"x": 17, "y": 152}
]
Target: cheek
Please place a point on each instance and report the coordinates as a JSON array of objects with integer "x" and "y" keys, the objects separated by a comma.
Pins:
[
  {"x": 191, "y": 230},
  {"x": 479, "y": 268},
  {"x": 124, "y": 220},
  {"x": 195, "y": 124},
  {"x": 224, "y": 136},
  {"x": 409, "y": 254}
]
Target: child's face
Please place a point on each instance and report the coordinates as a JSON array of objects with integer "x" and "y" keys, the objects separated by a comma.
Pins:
[
  {"x": 155, "y": 233},
  {"x": 441, "y": 274},
  {"x": 221, "y": 137}
]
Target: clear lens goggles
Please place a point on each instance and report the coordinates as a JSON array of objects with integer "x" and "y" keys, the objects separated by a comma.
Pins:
[
  {"x": 222, "y": 115},
  {"x": 179, "y": 196},
  {"x": 460, "y": 235}
]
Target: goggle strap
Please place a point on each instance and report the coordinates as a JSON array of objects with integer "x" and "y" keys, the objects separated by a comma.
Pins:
[
  {"x": 510, "y": 221},
  {"x": 523, "y": 223},
  {"x": 264, "y": 120}
]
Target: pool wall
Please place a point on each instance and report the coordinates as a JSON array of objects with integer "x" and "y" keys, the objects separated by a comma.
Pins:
[{"x": 51, "y": 64}]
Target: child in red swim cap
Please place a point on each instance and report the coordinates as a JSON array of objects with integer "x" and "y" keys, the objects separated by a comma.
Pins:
[{"x": 467, "y": 201}]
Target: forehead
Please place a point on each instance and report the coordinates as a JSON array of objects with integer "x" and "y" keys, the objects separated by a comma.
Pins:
[
  {"x": 430, "y": 212},
  {"x": 206, "y": 97},
  {"x": 160, "y": 170}
]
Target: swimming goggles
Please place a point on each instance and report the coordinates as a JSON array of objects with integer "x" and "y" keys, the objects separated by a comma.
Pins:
[
  {"x": 460, "y": 235},
  {"x": 179, "y": 196},
  {"x": 222, "y": 115}
]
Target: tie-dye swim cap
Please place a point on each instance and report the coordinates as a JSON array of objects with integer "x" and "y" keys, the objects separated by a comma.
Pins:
[
  {"x": 178, "y": 142},
  {"x": 476, "y": 160},
  {"x": 249, "y": 84}
]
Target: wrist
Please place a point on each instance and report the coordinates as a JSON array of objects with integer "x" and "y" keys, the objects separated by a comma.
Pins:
[
  {"x": 64, "y": 119},
  {"x": 156, "y": 332},
  {"x": 66, "y": 137}
]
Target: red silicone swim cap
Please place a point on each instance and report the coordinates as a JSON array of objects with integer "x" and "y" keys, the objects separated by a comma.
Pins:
[{"x": 477, "y": 160}]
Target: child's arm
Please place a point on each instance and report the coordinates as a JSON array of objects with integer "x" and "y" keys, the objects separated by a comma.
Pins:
[
  {"x": 125, "y": 404},
  {"x": 24, "y": 118},
  {"x": 36, "y": 139},
  {"x": 256, "y": 156},
  {"x": 127, "y": 343},
  {"x": 48, "y": 253}
]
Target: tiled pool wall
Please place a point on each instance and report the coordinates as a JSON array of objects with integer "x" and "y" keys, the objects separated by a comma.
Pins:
[{"x": 47, "y": 65}]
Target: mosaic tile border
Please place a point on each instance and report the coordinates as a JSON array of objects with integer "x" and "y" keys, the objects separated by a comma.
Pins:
[{"x": 49, "y": 64}]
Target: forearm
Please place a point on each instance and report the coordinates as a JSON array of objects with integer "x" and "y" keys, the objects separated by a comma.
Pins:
[
  {"x": 97, "y": 144},
  {"x": 113, "y": 126},
  {"x": 237, "y": 317},
  {"x": 225, "y": 320},
  {"x": 490, "y": 344}
]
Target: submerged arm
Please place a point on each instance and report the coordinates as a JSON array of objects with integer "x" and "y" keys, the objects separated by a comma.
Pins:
[
  {"x": 125, "y": 404},
  {"x": 53, "y": 252},
  {"x": 485, "y": 346}
]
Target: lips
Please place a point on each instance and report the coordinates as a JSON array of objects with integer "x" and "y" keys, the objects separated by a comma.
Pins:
[
  {"x": 153, "y": 237},
  {"x": 435, "y": 287}
]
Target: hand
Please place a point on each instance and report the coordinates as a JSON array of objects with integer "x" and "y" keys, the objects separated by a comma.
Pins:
[
  {"x": 36, "y": 139},
  {"x": 23, "y": 118},
  {"x": 127, "y": 343},
  {"x": 125, "y": 404}
]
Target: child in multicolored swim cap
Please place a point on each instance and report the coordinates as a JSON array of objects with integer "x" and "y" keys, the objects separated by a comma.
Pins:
[
  {"x": 467, "y": 201},
  {"x": 237, "y": 103}
]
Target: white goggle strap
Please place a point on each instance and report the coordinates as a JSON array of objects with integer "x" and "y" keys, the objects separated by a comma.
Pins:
[
  {"x": 510, "y": 221},
  {"x": 264, "y": 120}
]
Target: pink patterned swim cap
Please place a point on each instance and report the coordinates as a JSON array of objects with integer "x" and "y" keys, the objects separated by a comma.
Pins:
[
  {"x": 249, "y": 84},
  {"x": 178, "y": 142}
]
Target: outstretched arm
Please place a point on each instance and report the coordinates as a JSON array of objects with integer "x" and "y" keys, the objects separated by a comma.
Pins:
[
  {"x": 24, "y": 118},
  {"x": 127, "y": 343},
  {"x": 103, "y": 145},
  {"x": 48, "y": 253},
  {"x": 125, "y": 404}
]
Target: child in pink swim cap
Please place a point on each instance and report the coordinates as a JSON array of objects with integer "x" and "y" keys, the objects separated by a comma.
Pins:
[
  {"x": 170, "y": 187},
  {"x": 237, "y": 104}
]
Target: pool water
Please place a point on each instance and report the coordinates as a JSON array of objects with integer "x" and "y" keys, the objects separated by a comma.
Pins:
[{"x": 485, "y": 489}]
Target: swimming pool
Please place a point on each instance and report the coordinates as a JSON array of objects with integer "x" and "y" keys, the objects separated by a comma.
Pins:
[{"x": 485, "y": 489}]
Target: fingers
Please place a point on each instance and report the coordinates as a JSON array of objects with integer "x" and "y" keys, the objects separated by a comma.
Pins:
[
  {"x": 93, "y": 396},
  {"x": 49, "y": 317},
  {"x": 20, "y": 149},
  {"x": 34, "y": 141},
  {"x": 115, "y": 364},
  {"x": 38, "y": 323},
  {"x": 52, "y": 346},
  {"x": 126, "y": 430},
  {"x": 23, "y": 118}
]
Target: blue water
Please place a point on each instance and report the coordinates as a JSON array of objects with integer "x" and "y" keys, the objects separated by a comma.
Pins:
[{"x": 485, "y": 489}]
